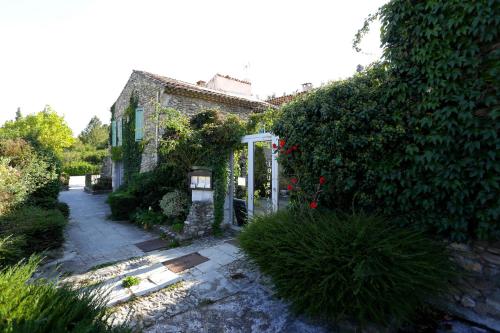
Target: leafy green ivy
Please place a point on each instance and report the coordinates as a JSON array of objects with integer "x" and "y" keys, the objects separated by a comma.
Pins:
[
  {"x": 416, "y": 137},
  {"x": 131, "y": 149},
  {"x": 206, "y": 139}
]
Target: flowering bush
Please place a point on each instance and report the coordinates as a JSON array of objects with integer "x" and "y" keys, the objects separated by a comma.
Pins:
[
  {"x": 301, "y": 195},
  {"x": 174, "y": 204}
]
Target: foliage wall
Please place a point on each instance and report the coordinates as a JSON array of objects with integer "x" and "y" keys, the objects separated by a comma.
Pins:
[
  {"x": 131, "y": 149},
  {"x": 416, "y": 137},
  {"x": 206, "y": 140},
  {"x": 444, "y": 60}
]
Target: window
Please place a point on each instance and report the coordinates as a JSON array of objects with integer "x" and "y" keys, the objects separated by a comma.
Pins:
[
  {"x": 113, "y": 133},
  {"x": 139, "y": 124}
]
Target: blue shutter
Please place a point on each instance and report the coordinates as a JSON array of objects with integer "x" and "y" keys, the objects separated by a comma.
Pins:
[
  {"x": 113, "y": 133},
  {"x": 120, "y": 132},
  {"x": 139, "y": 124}
]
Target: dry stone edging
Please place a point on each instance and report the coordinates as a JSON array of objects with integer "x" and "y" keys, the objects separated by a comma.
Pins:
[{"x": 476, "y": 297}]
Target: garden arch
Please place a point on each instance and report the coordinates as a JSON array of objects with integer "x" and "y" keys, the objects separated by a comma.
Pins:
[{"x": 251, "y": 140}]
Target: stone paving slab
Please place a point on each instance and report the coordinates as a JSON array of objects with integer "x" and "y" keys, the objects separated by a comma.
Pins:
[{"x": 90, "y": 238}]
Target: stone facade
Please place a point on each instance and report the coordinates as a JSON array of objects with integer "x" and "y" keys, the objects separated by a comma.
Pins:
[
  {"x": 476, "y": 298},
  {"x": 151, "y": 89},
  {"x": 149, "y": 93}
]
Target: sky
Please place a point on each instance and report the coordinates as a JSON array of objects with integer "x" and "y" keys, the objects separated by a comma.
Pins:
[{"x": 77, "y": 55}]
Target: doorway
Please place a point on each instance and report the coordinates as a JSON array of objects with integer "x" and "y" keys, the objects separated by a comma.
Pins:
[{"x": 254, "y": 189}]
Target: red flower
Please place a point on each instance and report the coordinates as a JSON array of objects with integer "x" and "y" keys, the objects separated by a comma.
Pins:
[
  {"x": 274, "y": 146},
  {"x": 294, "y": 147},
  {"x": 322, "y": 180},
  {"x": 313, "y": 205},
  {"x": 294, "y": 180},
  {"x": 290, "y": 187},
  {"x": 282, "y": 143},
  {"x": 289, "y": 151}
]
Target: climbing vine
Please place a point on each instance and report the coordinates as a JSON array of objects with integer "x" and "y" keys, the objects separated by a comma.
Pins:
[
  {"x": 131, "y": 149},
  {"x": 207, "y": 139},
  {"x": 416, "y": 136}
]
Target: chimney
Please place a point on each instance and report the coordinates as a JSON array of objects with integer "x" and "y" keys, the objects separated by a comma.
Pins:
[
  {"x": 201, "y": 83},
  {"x": 230, "y": 84},
  {"x": 307, "y": 86}
]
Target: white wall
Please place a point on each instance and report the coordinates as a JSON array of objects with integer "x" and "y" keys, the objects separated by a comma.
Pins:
[{"x": 229, "y": 85}]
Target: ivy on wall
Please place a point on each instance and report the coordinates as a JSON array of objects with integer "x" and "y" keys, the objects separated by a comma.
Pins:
[
  {"x": 207, "y": 139},
  {"x": 131, "y": 149},
  {"x": 416, "y": 137}
]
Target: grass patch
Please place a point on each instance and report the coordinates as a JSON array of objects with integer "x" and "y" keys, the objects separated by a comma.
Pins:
[{"x": 130, "y": 281}]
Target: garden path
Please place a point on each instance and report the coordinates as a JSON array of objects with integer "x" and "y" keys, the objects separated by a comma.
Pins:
[
  {"x": 224, "y": 294},
  {"x": 91, "y": 238}
]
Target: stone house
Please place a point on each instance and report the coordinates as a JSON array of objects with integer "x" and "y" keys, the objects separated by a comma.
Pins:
[{"x": 222, "y": 92}]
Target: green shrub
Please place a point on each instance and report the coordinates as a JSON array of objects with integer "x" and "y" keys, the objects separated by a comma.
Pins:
[
  {"x": 356, "y": 267},
  {"x": 41, "y": 228},
  {"x": 122, "y": 204},
  {"x": 50, "y": 203},
  {"x": 26, "y": 172},
  {"x": 80, "y": 168},
  {"x": 177, "y": 227},
  {"x": 43, "y": 202},
  {"x": 11, "y": 249},
  {"x": 63, "y": 208},
  {"x": 174, "y": 204},
  {"x": 130, "y": 281},
  {"x": 150, "y": 187},
  {"x": 37, "y": 306},
  {"x": 343, "y": 133},
  {"x": 148, "y": 218},
  {"x": 12, "y": 190}
]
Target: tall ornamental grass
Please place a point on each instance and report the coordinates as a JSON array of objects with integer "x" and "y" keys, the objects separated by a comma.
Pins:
[
  {"x": 348, "y": 267},
  {"x": 36, "y": 306}
]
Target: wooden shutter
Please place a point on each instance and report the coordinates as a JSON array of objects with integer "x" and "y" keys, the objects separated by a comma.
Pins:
[
  {"x": 113, "y": 133},
  {"x": 139, "y": 124}
]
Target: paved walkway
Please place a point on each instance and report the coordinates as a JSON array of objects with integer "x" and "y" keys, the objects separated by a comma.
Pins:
[
  {"x": 224, "y": 294},
  {"x": 92, "y": 239}
]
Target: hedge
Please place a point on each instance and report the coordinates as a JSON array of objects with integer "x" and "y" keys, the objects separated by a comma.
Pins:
[
  {"x": 80, "y": 168},
  {"x": 416, "y": 137},
  {"x": 36, "y": 229}
]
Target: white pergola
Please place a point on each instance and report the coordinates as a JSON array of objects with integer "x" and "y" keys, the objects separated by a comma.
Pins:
[{"x": 250, "y": 141}]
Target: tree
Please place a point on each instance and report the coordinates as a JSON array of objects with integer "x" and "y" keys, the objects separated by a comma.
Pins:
[
  {"x": 18, "y": 114},
  {"x": 46, "y": 128},
  {"x": 95, "y": 134}
]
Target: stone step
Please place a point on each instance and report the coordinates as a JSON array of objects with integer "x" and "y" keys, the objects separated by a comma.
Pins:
[{"x": 152, "y": 278}]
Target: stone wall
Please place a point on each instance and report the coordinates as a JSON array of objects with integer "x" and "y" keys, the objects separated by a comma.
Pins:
[
  {"x": 477, "y": 295},
  {"x": 192, "y": 105},
  {"x": 199, "y": 220},
  {"x": 149, "y": 92}
]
